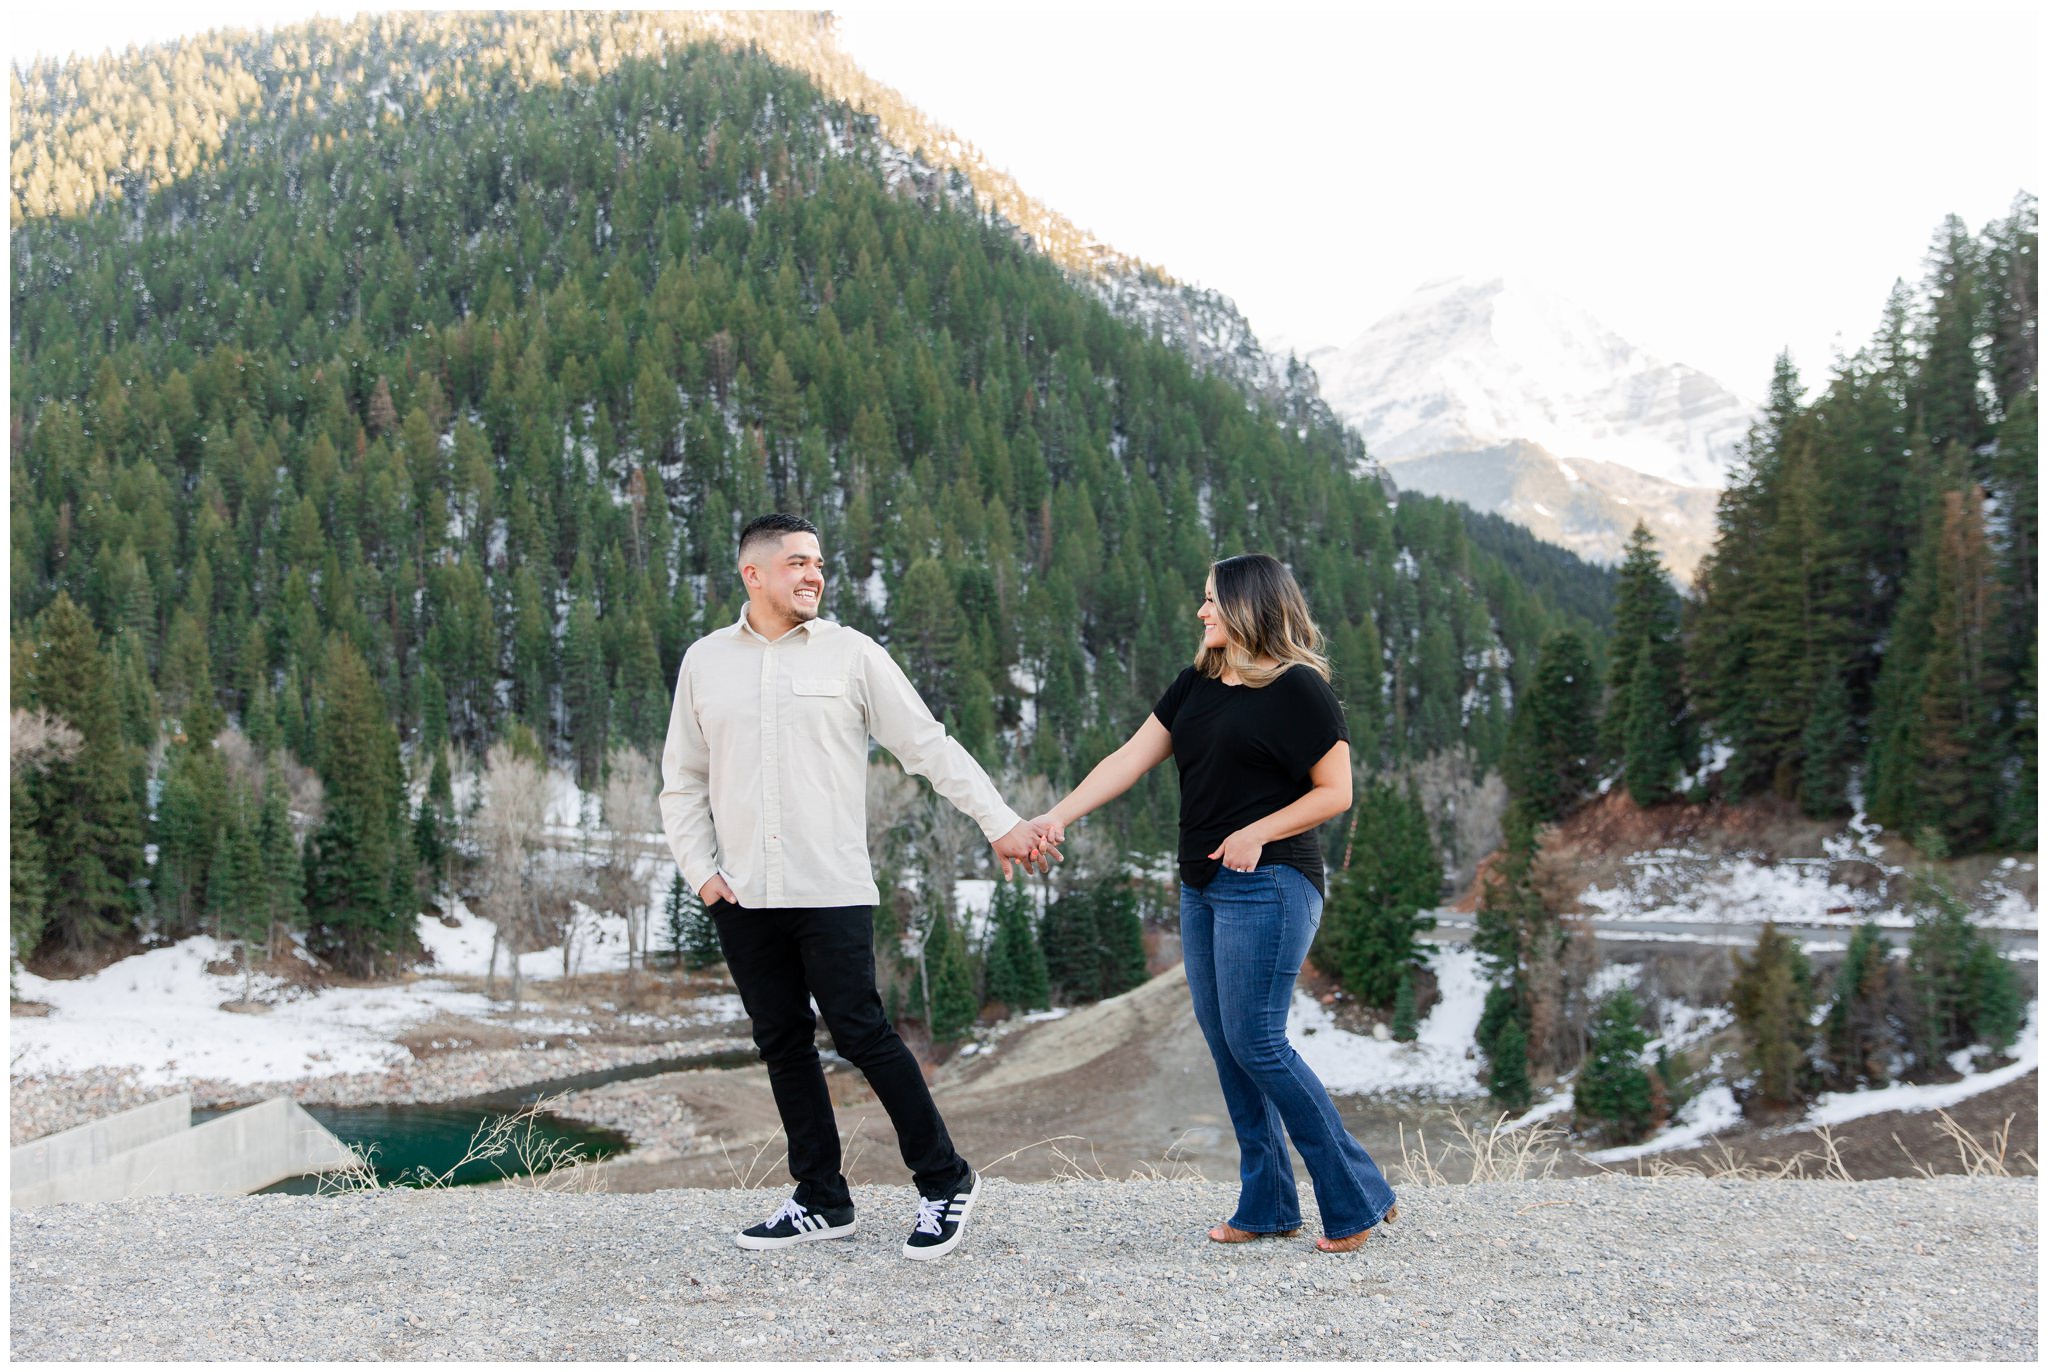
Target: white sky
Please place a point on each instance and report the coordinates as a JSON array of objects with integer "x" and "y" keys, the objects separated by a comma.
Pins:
[{"x": 1715, "y": 185}]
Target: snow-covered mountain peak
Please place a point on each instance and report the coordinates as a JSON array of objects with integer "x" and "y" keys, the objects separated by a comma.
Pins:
[{"x": 1468, "y": 362}]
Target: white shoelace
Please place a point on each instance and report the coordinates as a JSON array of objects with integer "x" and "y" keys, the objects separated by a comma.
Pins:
[
  {"x": 790, "y": 1211},
  {"x": 931, "y": 1212}
]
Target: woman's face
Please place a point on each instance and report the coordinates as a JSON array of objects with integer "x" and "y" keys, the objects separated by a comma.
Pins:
[{"x": 1213, "y": 635}]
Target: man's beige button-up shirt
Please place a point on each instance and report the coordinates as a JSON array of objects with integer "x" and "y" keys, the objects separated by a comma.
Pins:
[{"x": 764, "y": 778}]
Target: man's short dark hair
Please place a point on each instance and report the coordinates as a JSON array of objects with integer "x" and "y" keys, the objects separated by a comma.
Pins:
[{"x": 773, "y": 526}]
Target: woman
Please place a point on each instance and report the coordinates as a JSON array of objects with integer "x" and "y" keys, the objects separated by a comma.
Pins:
[{"x": 1259, "y": 740}]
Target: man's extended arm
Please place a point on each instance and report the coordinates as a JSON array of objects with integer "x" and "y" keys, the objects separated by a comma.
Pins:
[
  {"x": 686, "y": 793},
  {"x": 901, "y": 722}
]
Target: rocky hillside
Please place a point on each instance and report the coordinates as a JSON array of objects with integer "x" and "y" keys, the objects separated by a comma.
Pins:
[{"x": 1585, "y": 506}]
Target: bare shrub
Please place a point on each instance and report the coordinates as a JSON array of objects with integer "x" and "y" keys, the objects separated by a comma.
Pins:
[
  {"x": 508, "y": 831},
  {"x": 892, "y": 794},
  {"x": 632, "y": 816},
  {"x": 36, "y": 739},
  {"x": 1464, "y": 813}
]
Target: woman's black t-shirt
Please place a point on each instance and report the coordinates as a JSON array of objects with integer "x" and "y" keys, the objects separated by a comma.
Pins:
[{"x": 1244, "y": 752}]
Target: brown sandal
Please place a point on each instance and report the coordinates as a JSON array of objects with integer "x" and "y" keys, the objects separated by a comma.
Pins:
[
  {"x": 1230, "y": 1233},
  {"x": 1354, "y": 1241}
]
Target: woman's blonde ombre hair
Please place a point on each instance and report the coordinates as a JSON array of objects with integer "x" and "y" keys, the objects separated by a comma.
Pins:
[{"x": 1264, "y": 616}]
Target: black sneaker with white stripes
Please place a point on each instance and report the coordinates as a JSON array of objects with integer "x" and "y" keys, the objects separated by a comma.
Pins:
[
  {"x": 796, "y": 1223},
  {"x": 941, "y": 1220}
]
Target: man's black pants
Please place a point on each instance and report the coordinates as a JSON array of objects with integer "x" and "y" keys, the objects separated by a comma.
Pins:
[{"x": 781, "y": 960}]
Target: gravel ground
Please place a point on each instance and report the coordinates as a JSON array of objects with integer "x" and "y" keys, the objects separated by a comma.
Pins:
[{"x": 1592, "y": 1268}]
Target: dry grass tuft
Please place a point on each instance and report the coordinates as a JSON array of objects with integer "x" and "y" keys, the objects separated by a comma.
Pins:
[
  {"x": 754, "y": 1174},
  {"x": 514, "y": 1144},
  {"x": 1975, "y": 1158},
  {"x": 1068, "y": 1149},
  {"x": 1495, "y": 1152}
]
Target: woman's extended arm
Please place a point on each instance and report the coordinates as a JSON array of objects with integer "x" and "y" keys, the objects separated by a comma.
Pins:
[
  {"x": 1329, "y": 795},
  {"x": 1112, "y": 776}
]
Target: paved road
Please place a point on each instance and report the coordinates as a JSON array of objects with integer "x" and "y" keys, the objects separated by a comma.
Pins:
[{"x": 1457, "y": 928}]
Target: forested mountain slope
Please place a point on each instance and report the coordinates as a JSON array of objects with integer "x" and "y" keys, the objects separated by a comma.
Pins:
[{"x": 382, "y": 384}]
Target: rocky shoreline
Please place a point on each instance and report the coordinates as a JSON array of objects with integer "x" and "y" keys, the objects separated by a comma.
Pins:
[{"x": 40, "y": 1105}]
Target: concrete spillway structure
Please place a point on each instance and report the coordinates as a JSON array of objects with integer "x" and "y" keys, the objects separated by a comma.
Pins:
[{"x": 155, "y": 1150}]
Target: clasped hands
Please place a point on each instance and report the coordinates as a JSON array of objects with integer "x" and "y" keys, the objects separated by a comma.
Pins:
[{"x": 1033, "y": 844}]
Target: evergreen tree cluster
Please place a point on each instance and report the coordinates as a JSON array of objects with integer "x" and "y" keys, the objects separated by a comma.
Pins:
[
  {"x": 1869, "y": 604},
  {"x": 1370, "y": 938},
  {"x": 1615, "y": 1094},
  {"x": 1521, "y": 942},
  {"x": 1884, "y": 1019},
  {"x": 1646, "y": 725},
  {"x": 1094, "y": 942},
  {"x": 367, "y": 436},
  {"x": 1088, "y": 945}
]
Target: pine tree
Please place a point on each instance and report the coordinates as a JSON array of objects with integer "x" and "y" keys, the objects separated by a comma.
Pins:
[
  {"x": 2018, "y": 490},
  {"x": 1508, "y": 1078},
  {"x": 1858, "y": 1033},
  {"x": 1792, "y": 638},
  {"x": 236, "y": 894},
  {"x": 584, "y": 693},
  {"x": 1829, "y": 746},
  {"x": 1119, "y": 937},
  {"x": 1072, "y": 960},
  {"x": 28, "y": 880},
  {"x": 1947, "y": 391},
  {"x": 927, "y": 631},
  {"x": 953, "y": 1005},
  {"x": 1956, "y": 742},
  {"x": 675, "y": 914},
  {"x": 1554, "y": 737},
  {"x": 1499, "y": 1009},
  {"x": 284, "y": 879},
  {"x": 350, "y": 866},
  {"x": 188, "y": 685},
  {"x": 1404, "y": 1011},
  {"x": 1726, "y": 631},
  {"x": 434, "y": 825},
  {"x": 1651, "y": 733},
  {"x": 1963, "y": 991},
  {"x": 1521, "y": 943},
  {"x": 1370, "y": 936},
  {"x": 1998, "y": 1008},
  {"x": 191, "y": 811},
  {"x": 692, "y": 933},
  {"x": 1645, "y": 722},
  {"x": 1613, "y": 1092},
  {"x": 1773, "y": 1000},
  {"x": 85, "y": 809},
  {"x": 1016, "y": 972}
]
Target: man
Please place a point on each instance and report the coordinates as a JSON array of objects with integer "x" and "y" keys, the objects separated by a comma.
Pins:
[{"x": 764, "y": 799}]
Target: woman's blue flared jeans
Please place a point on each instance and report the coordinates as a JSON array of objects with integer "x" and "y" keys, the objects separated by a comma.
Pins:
[{"x": 1243, "y": 937}]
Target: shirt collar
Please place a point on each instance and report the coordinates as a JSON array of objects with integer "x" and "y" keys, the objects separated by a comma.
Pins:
[{"x": 743, "y": 629}]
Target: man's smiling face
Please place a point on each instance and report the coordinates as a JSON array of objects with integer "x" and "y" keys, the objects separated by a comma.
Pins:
[{"x": 786, "y": 580}]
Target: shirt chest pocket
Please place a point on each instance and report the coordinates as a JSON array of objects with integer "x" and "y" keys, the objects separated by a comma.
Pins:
[{"x": 821, "y": 707}]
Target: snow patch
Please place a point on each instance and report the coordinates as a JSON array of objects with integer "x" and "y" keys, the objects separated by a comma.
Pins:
[
  {"x": 1439, "y": 1063},
  {"x": 1839, "y": 1107}
]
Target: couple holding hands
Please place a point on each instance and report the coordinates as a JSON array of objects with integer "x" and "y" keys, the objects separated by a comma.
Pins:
[{"x": 764, "y": 801}]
